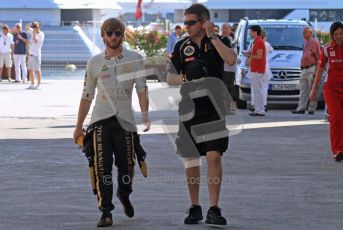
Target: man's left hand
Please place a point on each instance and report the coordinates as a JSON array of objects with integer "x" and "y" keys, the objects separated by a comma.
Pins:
[
  {"x": 208, "y": 26},
  {"x": 146, "y": 121}
]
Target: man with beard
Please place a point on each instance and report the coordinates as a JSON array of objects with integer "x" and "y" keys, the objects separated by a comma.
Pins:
[{"x": 112, "y": 129}]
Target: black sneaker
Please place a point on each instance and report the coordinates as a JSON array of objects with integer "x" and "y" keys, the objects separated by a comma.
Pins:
[
  {"x": 194, "y": 215},
  {"x": 257, "y": 114},
  {"x": 127, "y": 206},
  {"x": 298, "y": 111},
  {"x": 214, "y": 217},
  {"x": 105, "y": 220}
]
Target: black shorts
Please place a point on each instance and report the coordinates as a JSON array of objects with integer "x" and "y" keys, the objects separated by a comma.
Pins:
[{"x": 185, "y": 142}]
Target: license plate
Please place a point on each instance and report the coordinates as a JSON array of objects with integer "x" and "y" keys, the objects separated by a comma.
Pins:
[{"x": 284, "y": 87}]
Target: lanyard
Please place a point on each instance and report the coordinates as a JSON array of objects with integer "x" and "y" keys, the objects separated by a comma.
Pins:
[{"x": 5, "y": 38}]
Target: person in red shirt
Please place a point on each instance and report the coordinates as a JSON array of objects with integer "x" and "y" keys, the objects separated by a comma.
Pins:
[
  {"x": 309, "y": 60},
  {"x": 258, "y": 69},
  {"x": 332, "y": 59}
]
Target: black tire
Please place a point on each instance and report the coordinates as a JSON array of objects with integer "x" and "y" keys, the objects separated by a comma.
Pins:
[
  {"x": 241, "y": 104},
  {"x": 321, "y": 105}
]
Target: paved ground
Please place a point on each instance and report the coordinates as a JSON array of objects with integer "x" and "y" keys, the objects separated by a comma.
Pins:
[{"x": 279, "y": 173}]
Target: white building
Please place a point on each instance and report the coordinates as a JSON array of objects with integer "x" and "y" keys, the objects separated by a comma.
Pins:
[
  {"x": 230, "y": 10},
  {"x": 323, "y": 11},
  {"x": 56, "y": 12},
  {"x": 53, "y": 12}
]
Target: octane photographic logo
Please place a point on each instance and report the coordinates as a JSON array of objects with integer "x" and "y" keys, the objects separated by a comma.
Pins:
[
  {"x": 175, "y": 104},
  {"x": 107, "y": 179}
]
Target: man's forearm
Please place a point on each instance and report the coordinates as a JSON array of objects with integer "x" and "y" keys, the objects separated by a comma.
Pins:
[
  {"x": 144, "y": 101},
  {"x": 227, "y": 54},
  {"x": 317, "y": 78},
  {"x": 174, "y": 79},
  {"x": 83, "y": 111},
  {"x": 34, "y": 38}
]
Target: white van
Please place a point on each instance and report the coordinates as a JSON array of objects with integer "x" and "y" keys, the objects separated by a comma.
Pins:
[{"x": 287, "y": 40}]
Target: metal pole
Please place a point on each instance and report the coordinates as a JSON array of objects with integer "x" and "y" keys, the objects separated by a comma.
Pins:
[{"x": 93, "y": 37}]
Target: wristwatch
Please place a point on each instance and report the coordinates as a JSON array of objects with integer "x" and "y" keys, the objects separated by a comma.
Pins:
[{"x": 213, "y": 36}]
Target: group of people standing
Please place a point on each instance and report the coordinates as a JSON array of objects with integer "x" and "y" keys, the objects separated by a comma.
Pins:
[
  {"x": 315, "y": 60},
  {"x": 18, "y": 45},
  {"x": 197, "y": 58}
]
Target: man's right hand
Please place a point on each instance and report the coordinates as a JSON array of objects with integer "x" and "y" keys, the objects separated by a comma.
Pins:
[
  {"x": 246, "y": 53},
  {"x": 77, "y": 133},
  {"x": 313, "y": 95}
]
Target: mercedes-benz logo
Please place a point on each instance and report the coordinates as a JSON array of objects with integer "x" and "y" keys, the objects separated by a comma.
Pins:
[{"x": 282, "y": 75}]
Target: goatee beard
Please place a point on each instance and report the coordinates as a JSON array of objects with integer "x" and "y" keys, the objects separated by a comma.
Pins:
[{"x": 115, "y": 46}]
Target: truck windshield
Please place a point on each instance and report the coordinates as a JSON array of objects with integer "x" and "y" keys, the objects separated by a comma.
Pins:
[{"x": 281, "y": 37}]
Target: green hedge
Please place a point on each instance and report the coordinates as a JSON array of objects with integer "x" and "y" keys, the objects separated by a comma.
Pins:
[
  {"x": 323, "y": 37},
  {"x": 152, "y": 43}
]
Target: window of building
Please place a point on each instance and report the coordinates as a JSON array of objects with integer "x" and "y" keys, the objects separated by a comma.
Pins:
[
  {"x": 326, "y": 15},
  {"x": 236, "y": 15}
]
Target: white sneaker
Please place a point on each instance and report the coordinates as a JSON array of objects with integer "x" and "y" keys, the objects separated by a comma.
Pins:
[
  {"x": 37, "y": 86},
  {"x": 31, "y": 87}
]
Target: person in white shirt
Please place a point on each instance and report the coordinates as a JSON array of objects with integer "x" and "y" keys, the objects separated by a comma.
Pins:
[
  {"x": 268, "y": 73},
  {"x": 6, "y": 47},
  {"x": 110, "y": 78},
  {"x": 229, "y": 75},
  {"x": 35, "y": 50}
]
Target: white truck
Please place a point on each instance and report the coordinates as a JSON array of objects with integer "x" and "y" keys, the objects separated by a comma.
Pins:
[{"x": 287, "y": 40}]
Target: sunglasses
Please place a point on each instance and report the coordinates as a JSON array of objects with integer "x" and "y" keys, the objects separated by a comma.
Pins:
[
  {"x": 117, "y": 33},
  {"x": 190, "y": 22}
]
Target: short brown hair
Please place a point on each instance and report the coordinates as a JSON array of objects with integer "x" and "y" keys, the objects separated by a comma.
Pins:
[
  {"x": 5, "y": 27},
  {"x": 112, "y": 24},
  {"x": 199, "y": 10},
  {"x": 35, "y": 25}
]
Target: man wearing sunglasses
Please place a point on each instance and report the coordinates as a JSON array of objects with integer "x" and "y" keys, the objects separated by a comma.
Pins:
[
  {"x": 35, "y": 53},
  {"x": 112, "y": 130},
  {"x": 201, "y": 55}
]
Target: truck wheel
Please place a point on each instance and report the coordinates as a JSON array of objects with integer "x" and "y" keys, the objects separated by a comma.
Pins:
[{"x": 241, "y": 104}]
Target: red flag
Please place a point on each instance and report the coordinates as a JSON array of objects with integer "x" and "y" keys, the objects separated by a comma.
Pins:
[{"x": 139, "y": 9}]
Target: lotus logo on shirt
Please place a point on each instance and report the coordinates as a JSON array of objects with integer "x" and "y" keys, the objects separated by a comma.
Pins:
[
  {"x": 189, "y": 50},
  {"x": 104, "y": 68}
]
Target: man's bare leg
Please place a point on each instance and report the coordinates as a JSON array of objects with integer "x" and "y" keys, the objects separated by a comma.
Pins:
[
  {"x": 9, "y": 73},
  {"x": 32, "y": 77},
  {"x": 39, "y": 76},
  {"x": 214, "y": 179},
  {"x": 214, "y": 176},
  {"x": 193, "y": 182}
]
